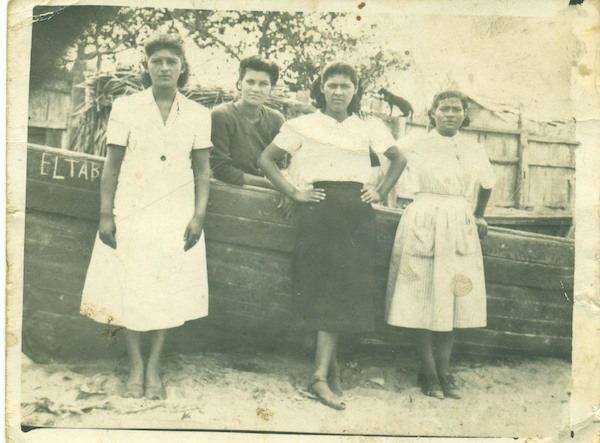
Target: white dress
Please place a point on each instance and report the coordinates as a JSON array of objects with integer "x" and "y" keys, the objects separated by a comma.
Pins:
[
  {"x": 436, "y": 278},
  {"x": 149, "y": 282}
]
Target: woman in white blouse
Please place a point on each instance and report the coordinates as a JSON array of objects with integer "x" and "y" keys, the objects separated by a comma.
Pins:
[
  {"x": 148, "y": 268},
  {"x": 334, "y": 256},
  {"x": 436, "y": 281}
]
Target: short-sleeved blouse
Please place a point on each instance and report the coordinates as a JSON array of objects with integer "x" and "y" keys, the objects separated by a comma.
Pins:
[
  {"x": 449, "y": 165},
  {"x": 324, "y": 149}
]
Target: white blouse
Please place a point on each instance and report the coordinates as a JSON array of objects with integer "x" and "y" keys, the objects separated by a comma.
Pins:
[
  {"x": 324, "y": 149},
  {"x": 449, "y": 165}
]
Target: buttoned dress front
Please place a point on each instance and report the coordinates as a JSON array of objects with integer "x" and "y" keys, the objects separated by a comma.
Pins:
[
  {"x": 436, "y": 279},
  {"x": 148, "y": 282}
]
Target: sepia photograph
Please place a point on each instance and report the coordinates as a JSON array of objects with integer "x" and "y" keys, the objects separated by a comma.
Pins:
[{"x": 351, "y": 219}]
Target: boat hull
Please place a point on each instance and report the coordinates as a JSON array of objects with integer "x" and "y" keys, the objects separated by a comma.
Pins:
[{"x": 529, "y": 277}]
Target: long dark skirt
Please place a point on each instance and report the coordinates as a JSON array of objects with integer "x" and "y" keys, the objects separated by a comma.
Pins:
[{"x": 334, "y": 261}]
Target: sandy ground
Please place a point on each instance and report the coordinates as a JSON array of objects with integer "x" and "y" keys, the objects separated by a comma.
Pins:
[{"x": 511, "y": 397}]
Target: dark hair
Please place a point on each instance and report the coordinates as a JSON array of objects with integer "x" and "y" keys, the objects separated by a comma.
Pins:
[
  {"x": 337, "y": 68},
  {"x": 259, "y": 64},
  {"x": 172, "y": 42},
  {"x": 464, "y": 100}
]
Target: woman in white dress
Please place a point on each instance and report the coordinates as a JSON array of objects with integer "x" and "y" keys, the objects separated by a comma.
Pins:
[
  {"x": 334, "y": 257},
  {"x": 436, "y": 281},
  {"x": 148, "y": 268}
]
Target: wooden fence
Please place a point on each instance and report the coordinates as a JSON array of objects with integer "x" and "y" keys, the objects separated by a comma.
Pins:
[{"x": 533, "y": 173}]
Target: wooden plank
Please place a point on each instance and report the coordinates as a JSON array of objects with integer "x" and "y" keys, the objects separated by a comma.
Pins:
[
  {"x": 535, "y": 327},
  {"x": 500, "y": 146},
  {"x": 530, "y": 275},
  {"x": 549, "y": 188},
  {"x": 38, "y": 106},
  {"x": 62, "y": 199},
  {"x": 480, "y": 341},
  {"x": 548, "y": 345},
  {"x": 242, "y": 202},
  {"x": 44, "y": 335},
  {"x": 261, "y": 282},
  {"x": 552, "y": 154},
  {"x": 528, "y": 299},
  {"x": 529, "y": 249},
  {"x": 64, "y": 167},
  {"x": 45, "y": 124},
  {"x": 503, "y": 193},
  {"x": 249, "y": 232},
  {"x": 262, "y": 259},
  {"x": 59, "y": 300}
]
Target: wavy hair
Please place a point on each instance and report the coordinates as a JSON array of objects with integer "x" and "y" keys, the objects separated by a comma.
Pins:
[
  {"x": 257, "y": 63},
  {"x": 337, "y": 68},
  {"x": 464, "y": 100},
  {"x": 172, "y": 42}
]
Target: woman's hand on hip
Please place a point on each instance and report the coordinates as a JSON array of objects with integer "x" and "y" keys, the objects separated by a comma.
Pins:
[
  {"x": 193, "y": 232},
  {"x": 309, "y": 196},
  {"x": 370, "y": 196},
  {"x": 107, "y": 230},
  {"x": 482, "y": 227}
]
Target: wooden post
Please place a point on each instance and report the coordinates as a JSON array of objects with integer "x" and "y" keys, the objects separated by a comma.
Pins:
[{"x": 521, "y": 186}]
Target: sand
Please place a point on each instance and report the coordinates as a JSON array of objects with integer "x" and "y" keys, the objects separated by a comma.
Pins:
[{"x": 509, "y": 397}]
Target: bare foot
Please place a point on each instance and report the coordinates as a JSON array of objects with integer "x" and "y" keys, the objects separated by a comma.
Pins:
[
  {"x": 155, "y": 388},
  {"x": 321, "y": 390},
  {"x": 134, "y": 385}
]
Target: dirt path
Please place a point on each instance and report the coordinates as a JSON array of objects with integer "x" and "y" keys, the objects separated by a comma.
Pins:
[{"x": 249, "y": 391}]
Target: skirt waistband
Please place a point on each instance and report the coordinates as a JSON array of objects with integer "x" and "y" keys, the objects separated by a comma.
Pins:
[
  {"x": 439, "y": 197},
  {"x": 330, "y": 184},
  {"x": 340, "y": 191}
]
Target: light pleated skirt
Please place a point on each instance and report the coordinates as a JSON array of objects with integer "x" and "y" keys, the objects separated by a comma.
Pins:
[{"x": 436, "y": 279}]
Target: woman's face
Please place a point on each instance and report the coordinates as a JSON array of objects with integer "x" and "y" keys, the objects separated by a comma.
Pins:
[
  {"x": 165, "y": 67},
  {"x": 255, "y": 87},
  {"x": 449, "y": 116},
  {"x": 338, "y": 90}
]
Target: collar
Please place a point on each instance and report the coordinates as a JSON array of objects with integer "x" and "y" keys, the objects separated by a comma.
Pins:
[
  {"x": 148, "y": 98},
  {"x": 434, "y": 134},
  {"x": 351, "y": 118}
]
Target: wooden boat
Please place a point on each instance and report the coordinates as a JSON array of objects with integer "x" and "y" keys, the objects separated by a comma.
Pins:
[{"x": 529, "y": 276}]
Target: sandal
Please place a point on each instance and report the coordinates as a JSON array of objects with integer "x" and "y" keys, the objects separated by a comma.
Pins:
[
  {"x": 156, "y": 392},
  {"x": 430, "y": 385},
  {"x": 338, "y": 406},
  {"x": 449, "y": 386},
  {"x": 132, "y": 390}
]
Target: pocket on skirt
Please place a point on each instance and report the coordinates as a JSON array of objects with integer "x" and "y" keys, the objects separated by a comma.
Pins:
[{"x": 420, "y": 241}]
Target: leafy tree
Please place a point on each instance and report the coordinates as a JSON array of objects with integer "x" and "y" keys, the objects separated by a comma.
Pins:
[{"x": 301, "y": 43}]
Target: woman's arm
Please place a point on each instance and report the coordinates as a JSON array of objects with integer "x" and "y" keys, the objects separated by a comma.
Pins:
[
  {"x": 483, "y": 197},
  {"x": 397, "y": 164},
  {"x": 201, "y": 170},
  {"x": 255, "y": 180},
  {"x": 107, "y": 228},
  {"x": 268, "y": 163}
]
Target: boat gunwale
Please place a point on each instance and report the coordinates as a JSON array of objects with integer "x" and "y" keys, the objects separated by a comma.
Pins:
[{"x": 380, "y": 209}]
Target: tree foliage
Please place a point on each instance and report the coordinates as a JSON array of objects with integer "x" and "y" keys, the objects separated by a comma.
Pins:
[{"x": 300, "y": 43}]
